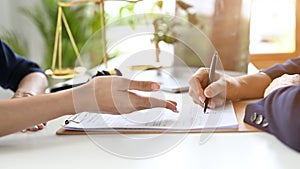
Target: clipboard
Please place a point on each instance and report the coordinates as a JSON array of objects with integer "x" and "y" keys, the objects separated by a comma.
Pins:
[{"x": 239, "y": 108}]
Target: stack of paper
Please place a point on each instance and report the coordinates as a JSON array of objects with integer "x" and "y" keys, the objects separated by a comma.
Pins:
[{"x": 192, "y": 118}]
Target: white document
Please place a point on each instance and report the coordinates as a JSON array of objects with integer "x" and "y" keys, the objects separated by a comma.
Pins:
[{"x": 157, "y": 119}]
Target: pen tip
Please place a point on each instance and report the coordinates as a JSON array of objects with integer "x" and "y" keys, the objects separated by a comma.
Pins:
[{"x": 205, "y": 107}]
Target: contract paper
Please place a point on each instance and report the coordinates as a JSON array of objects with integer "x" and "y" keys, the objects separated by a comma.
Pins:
[{"x": 192, "y": 118}]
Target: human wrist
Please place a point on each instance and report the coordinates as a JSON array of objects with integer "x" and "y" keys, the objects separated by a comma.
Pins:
[
  {"x": 65, "y": 98},
  {"x": 21, "y": 93},
  {"x": 233, "y": 86}
]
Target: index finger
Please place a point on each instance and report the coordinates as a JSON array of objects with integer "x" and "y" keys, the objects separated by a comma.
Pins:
[
  {"x": 196, "y": 90},
  {"x": 155, "y": 102},
  {"x": 143, "y": 102}
]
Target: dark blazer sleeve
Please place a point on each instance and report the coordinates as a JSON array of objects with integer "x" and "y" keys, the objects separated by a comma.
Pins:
[
  {"x": 291, "y": 66},
  {"x": 279, "y": 112},
  {"x": 13, "y": 68}
]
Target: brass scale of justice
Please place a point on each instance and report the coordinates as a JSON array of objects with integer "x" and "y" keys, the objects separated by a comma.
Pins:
[{"x": 65, "y": 73}]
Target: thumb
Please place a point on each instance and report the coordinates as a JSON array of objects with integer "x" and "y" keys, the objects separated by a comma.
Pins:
[
  {"x": 144, "y": 85},
  {"x": 214, "y": 89}
]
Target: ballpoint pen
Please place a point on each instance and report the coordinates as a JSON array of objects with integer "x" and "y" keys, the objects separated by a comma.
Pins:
[
  {"x": 115, "y": 71},
  {"x": 211, "y": 76}
]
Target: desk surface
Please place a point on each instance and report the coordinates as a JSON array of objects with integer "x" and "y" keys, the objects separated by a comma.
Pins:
[{"x": 45, "y": 149}]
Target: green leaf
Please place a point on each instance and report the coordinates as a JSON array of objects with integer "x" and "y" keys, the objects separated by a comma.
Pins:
[{"x": 16, "y": 41}]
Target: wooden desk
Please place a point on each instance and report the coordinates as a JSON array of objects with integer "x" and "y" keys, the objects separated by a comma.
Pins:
[
  {"x": 46, "y": 150},
  {"x": 239, "y": 108}
]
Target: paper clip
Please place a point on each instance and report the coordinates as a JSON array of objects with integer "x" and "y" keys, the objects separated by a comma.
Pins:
[{"x": 72, "y": 120}]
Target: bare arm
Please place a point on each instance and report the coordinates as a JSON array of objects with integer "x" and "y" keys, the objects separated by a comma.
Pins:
[
  {"x": 17, "y": 114},
  {"x": 247, "y": 86},
  {"x": 34, "y": 83},
  {"x": 103, "y": 94}
]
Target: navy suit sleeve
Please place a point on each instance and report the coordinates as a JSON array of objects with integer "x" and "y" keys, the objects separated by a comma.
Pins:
[
  {"x": 291, "y": 66},
  {"x": 278, "y": 114},
  {"x": 13, "y": 68}
]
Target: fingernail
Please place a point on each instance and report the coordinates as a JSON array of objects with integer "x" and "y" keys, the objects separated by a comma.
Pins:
[
  {"x": 201, "y": 99},
  {"x": 35, "y": 127},
  {"x": 41, "y": 126},
  {"x": 155, "y": 86},
  {"x": 208, "y": 93}
]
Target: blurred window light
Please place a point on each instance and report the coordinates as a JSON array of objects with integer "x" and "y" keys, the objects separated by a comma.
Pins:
[{"x": 273, "y": 24}]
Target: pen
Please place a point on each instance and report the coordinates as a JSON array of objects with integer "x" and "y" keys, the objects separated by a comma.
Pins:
[
  {"x": 211, "y": 76},
  {"x": 99, "y": 73}
]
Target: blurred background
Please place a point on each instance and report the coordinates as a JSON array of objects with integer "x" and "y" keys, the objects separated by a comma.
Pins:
[{"x": 262, "y": 32}]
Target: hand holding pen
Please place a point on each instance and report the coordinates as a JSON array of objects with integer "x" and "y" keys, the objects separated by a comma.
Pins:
[{"x": 206, "y": 87}]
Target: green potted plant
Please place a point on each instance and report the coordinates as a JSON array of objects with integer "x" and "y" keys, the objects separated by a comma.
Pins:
[{"x": 44, "y": 16}]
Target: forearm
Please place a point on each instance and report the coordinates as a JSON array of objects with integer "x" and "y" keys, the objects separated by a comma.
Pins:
[
  {"x": 34, "y": 83},
  {"x": 17, "y": 114},
  {"x": 248, "y": 86}
]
